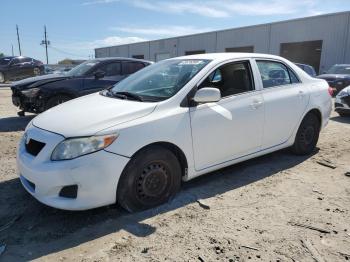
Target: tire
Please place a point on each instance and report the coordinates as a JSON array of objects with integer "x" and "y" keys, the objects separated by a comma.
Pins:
[
  {"x": 36, "y": 71},
  {"x": 56, "y": 100},
  {"x": 2, "y": 77},
  {"x": 307, "y": 135},
  {"x": 151, "y": 178}
]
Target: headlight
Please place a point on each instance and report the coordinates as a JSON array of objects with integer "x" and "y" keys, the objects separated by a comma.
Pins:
[
  {"x": 343, "y": 93},
  {"x": 31, "y": 92},
  {"x": 75, "y": 147}
]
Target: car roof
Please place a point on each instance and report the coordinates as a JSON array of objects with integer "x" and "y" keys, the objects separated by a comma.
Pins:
[
  {"x": 228, "y": 56},
  {"x": 121, "y": 59}
]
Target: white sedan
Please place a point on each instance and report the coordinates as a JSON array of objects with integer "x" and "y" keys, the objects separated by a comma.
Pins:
[{"x": 172, "y": 121}]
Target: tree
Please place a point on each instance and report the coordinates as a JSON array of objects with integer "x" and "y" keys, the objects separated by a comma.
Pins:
[{"x": 1, "y": 55}]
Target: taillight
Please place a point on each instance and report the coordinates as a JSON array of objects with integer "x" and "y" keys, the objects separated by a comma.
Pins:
[{"x": 331, "y": 91}]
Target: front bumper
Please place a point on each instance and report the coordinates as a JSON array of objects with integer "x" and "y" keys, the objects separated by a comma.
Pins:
[
  {"x": 32, "y": 105},
  {"x": 96, "y": 175},
  {"x": 342, "y": 105}
]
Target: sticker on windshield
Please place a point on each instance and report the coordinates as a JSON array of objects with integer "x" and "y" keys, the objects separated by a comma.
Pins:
[
  {"x": 90, "y": 64},
  {"x": 191, "y": 62}
]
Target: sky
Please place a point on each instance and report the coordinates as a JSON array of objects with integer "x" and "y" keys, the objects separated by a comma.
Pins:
[{"x": 76, "y": 27}]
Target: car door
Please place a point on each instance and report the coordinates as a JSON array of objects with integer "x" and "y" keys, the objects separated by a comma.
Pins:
[
  {"x": 232, "y": 127},
  {"x": 285, "y": 99},
  {"x": 112, "y": 75}
]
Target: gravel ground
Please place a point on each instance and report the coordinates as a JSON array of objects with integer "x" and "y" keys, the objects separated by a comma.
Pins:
[{"x": 246, "y": 212}]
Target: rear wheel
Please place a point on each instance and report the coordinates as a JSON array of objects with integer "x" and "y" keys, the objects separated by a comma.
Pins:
[
  {"x": 151, "y": 178},
  {"x": 36, "y": 71},
  {"x": 307, "y": 135},
  {"x": 56, "y": 100}
]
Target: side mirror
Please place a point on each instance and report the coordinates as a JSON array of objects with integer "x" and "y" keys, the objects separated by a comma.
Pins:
[
  {"x": 207, "y": 95},
  {"x": 99, "y": 74}
]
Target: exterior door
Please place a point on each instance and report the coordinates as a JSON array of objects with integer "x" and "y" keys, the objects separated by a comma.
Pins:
[
  {"x": 285, "y": 101},
  {"x": 232, "y": 127}
]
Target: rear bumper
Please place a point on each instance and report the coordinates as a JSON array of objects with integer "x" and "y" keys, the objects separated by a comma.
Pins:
[{"x": 95, "y": 175}]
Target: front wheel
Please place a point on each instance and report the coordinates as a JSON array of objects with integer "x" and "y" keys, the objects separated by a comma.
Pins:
[
  {"x": 56, "y": 100},
  {"x": 307, "y": 135},
  {"x": 151, "y": 178}
]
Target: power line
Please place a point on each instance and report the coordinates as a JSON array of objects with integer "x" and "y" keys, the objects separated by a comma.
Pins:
[{"x": 65, "y": 52}]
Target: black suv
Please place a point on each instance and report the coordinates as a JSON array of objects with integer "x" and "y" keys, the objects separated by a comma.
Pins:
[
  {"x": 338, "y": 77},
  {"x": 37, "y": 94},
  {"x": 19, "y": 67}
]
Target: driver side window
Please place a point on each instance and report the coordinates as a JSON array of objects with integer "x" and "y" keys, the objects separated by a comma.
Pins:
[{"x": 230, "y": 79}]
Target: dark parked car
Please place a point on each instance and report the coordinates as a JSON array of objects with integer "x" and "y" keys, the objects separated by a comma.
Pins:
[
  {"x": 19, "y": 67},
  {"x": 38, "y": 94},
  {"x": 338, "y": 77},
  {"x": 308, "y": 69}
]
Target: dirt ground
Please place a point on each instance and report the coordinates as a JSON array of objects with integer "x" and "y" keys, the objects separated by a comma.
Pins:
[{"x": 246, "y": 212}]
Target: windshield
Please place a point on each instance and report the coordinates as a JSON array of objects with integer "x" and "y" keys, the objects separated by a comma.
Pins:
[
  {"x": 162, "y": 80},
  {"x": 82, "y": 68},
  {"x": 5, "y": 61},
  {"x": 339, "y": 69}
]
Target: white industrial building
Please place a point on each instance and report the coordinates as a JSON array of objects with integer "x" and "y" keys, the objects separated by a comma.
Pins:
[{"x": 320, "y": 41}]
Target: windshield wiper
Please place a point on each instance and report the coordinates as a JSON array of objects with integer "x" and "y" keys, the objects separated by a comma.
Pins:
[{"x": 127, "y": 95}]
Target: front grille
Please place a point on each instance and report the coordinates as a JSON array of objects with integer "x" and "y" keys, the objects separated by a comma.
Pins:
[{"x": 34, "y": 147}]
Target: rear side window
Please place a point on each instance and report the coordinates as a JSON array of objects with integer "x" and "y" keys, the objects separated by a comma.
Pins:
[
  {"x": 276, "y": 74},
  {"x": 111, "y": 69},
  {"x": 131, "y": 67}
]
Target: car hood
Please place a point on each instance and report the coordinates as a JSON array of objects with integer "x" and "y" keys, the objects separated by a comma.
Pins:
[
  {"x": 39, "y": 80},
  {"x": 90, "y": 114},
  {"x": 333, "y": 76}
]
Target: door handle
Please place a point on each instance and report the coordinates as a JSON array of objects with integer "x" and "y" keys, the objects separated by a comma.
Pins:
[
  {"x": 301, "y": 93},
  {"x": 256, "y": 104}
]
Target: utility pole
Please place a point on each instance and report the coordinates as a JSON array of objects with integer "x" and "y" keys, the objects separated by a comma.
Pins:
[
  {"x": 12, "y": 50},
  {"x": 46, "y": 43},
  {"x": 19, "y": 42}
]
